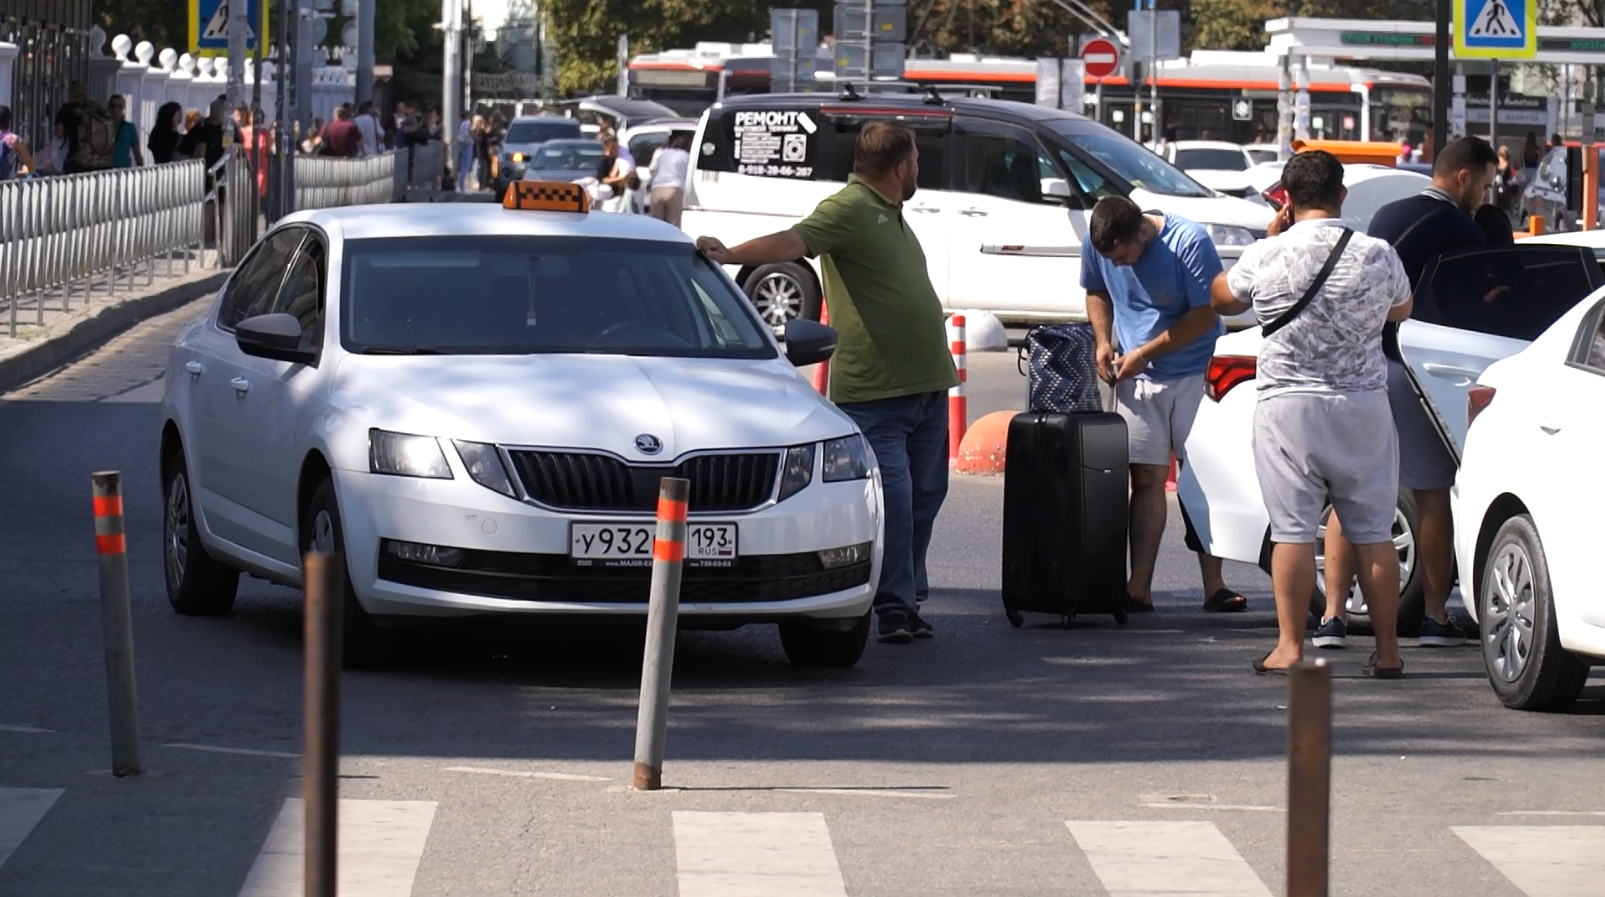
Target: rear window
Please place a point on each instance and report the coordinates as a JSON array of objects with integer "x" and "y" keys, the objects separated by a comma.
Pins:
[
  {"x": 542, "y": 295},
  {"x": 1515, "y": 292},
  {"x": 808, "y": 145},
  {"x": 1211, "y": 160},
  {"x": 541, "y": 131}
]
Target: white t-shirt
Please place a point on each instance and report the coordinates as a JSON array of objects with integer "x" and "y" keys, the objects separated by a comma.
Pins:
[
  {"x": 669, "y": 168},
  {"x": 1334, "y": 346}
]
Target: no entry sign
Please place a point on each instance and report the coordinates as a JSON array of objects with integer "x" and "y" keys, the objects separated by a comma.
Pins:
[{"x": 1102, "y": 58}]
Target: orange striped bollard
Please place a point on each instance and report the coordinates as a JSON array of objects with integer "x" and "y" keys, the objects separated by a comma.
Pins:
[
  {"x": 822, "y": 370},
  {"x": 116, "y": 623},
  {"x": 958, "y": 410},
  {"x": 662, "y": 619}
]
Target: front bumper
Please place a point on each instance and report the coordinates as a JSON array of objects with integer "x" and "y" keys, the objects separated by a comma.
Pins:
[{"x": 516, "y": 562}]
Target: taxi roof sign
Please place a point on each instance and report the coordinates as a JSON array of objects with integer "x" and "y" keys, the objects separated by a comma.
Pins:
[{"x": 546, "y": 196}]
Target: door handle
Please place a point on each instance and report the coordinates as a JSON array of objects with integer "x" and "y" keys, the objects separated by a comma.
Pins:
[
  {"x": 241, "y": 385},
  {"x": 1461, "y": 376},
  {"x": 972, "y": 213},
  {"x": 1549, "y": 428},
  {"x": 928, "y": 210},
  {"x": 194, "y": 368}
]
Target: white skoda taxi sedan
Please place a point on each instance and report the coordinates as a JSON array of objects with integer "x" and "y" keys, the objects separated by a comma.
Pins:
[{"x": 474, "y": 405}]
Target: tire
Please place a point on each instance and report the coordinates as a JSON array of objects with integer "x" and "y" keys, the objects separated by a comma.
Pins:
[
  {"x": 1526, "y": 665},
  {"x": 197, "y": 584},
  {"x": 362, "y": 645},
  {"x": 818, "y": 648},
  {"x": 783, "y": 292},
  {"x": 1412, "y": 581}
]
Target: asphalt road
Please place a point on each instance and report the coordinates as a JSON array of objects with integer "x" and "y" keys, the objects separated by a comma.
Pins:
[{"x": 1145, "y": 759}]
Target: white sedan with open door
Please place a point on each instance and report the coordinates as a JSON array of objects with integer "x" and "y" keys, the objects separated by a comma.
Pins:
[
  {"x": 1472, "y": 308},
  {"x": 474, "y": 406},
  {"x": 1527, "y": 502}
]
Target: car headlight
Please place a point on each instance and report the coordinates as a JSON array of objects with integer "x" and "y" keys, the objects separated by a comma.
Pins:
[
  {"x": 403, "y": 455},
  {"x": 846, "y": 458},
  {"x": 798, "y": 472},
  {"x": 485, "y": 466},
  {"x": 518, "y": 157},
  {"x": 1227, "y": 235}
]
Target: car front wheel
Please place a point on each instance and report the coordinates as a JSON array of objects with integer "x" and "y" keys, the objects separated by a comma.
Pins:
[
  {"x": 783, "y": 292},
  {"x": 809, "y": 645},
  {"x": 197, "y": 585},
  {"x": 362, "y": 643},
  {"x": 1527, "y": 667}
]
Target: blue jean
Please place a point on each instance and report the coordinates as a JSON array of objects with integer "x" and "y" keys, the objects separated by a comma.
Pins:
[{"x": 909, "y": 437}]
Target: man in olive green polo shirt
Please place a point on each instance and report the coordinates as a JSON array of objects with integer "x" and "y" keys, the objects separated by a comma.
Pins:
[{"x": 892, "y": 369}]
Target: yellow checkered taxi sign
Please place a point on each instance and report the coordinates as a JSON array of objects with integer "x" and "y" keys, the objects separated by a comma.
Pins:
[{"x": 546, "y": 196}]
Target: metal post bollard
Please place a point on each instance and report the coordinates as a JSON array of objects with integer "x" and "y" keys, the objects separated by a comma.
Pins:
[
  {"x": 116, "y": 623},
  {"x": 325, "y": 585},
  {"x": 662, "y": 617},
  {"x": 1309, "y": 778}
]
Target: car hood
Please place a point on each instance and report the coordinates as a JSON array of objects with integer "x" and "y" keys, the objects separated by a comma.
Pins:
[
  {"x": 526, "y": 148},
  {"x": 589, "y": 401},
  {"x": 1227, "y": 210},
  {"x": 1220, "y": 179}
]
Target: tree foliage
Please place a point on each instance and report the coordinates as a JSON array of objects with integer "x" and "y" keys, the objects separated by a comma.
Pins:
[
  {"x": 1028, "y": 28},
  {"x": 402, "y": 28}
]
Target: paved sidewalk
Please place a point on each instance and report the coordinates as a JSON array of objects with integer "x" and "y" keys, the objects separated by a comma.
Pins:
[{"x": 58, "y": 326}]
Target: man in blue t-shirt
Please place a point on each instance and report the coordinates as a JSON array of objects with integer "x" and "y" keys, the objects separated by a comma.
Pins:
[{"x": 1147, "y": 278}]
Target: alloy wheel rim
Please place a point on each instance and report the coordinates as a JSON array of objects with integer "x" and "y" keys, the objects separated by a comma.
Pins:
[
  {"x": 175, "y": 542},
  {"x": 323, "y": 532},
  {"x": 1508, "y": 635},
  {"x": 1404, "y": 543},
  {"x": 778, "y": 299}
]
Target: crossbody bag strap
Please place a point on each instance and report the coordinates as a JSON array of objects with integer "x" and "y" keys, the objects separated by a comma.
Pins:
[{"x": 1315, "y": 287}]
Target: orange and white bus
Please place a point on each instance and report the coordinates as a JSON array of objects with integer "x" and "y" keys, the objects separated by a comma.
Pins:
[{"x": 1200, "y": 98}]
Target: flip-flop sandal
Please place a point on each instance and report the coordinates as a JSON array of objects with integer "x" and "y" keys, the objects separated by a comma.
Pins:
[
  {"x": 1132, "y": 606},
  {"x": 1375, "y": 672},
  {"x": 1225, "y": 601},
  {"x": 1263, "y": 670}
]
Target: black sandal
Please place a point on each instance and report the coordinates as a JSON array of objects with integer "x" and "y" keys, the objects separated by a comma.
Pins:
[
  {"x": 1263, "y": 670},
  {"x": 1132, "y": 606},
  {"x": 1225, "y": 601},
  {"x": 1375, "y": 672}
]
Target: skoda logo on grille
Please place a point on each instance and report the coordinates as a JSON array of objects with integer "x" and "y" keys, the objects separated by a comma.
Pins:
[{"x": 647, "y": 444}]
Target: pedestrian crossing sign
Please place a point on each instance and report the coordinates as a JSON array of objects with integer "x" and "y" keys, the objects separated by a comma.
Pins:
[
  {"x": 208, "y": 26},
  {"x": 1496, "y": 29}
]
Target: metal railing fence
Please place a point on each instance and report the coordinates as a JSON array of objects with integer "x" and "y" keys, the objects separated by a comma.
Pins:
[
  {"x": 62, "y": 232},
  {"x": 323, "y": 182},
  {"x": 427, "y": 165},
  {"x": 234, "y": 201}
]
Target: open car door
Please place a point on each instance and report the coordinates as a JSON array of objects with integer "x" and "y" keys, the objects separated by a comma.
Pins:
[{"x": 1476, "y": 306}]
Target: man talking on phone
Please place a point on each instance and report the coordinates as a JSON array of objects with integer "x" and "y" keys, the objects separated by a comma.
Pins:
[{"x": 1147, "y": 278}]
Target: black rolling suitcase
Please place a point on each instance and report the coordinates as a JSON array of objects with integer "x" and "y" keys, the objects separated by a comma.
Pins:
[{"x": 1065, "y": 504}]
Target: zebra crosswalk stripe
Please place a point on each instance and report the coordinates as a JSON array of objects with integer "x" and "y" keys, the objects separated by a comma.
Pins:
[
  {"x": 755, "y": 855},
  {"x": 1149, "y": 859},
  {"x": 20, "y": 810},
  {"x": 1542, "y": 860},
  {"x": 380, "y": 844}
]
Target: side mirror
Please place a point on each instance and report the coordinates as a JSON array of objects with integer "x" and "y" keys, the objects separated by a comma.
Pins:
[
  {"x": 808, "y": 342},
  {"x": 275, "y": 336},
  {"x": 1056, "y": 188}
]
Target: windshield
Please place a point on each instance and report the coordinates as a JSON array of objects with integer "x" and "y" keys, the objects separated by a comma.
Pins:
[
  {"x": 1135, "y": 165},
  {"x": 567, "y": 157},
  {"x": 1211, "y": 160},
  {"x": 541, "y": 131},
  {"x": 1261, "y": 156},
  {"x": 523, "y": 295}
]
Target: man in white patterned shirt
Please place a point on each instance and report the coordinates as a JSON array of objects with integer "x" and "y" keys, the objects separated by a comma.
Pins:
[{"x": 1322, "y": 424}]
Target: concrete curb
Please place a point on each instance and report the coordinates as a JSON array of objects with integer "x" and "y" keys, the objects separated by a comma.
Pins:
[{"x": 74, "y": 339}]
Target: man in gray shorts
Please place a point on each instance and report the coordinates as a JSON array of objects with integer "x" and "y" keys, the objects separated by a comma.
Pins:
[{"x": 1322, "y": 425}]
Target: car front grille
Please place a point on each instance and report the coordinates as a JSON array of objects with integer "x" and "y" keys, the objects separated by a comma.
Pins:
[
  {"x": 553, "y": 577},
  {"x": 588, "y": 482}
]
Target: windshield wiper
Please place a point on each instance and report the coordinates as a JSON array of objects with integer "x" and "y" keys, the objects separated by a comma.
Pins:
[{"x": 401, "y": 350}]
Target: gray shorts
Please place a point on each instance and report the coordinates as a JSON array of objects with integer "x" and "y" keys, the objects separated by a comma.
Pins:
[
  {"x": 1311, "y": 447},
  {"x": 1159, "y": 414},
  {"x": 1424, "y": 461}
]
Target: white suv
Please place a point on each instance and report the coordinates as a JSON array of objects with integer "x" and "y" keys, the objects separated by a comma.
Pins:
[{"x": 1005, "y": 189}]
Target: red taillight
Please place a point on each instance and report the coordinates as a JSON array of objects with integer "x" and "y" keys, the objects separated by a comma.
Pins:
[
  {"x": 1476, "y": 401},
  {"x": 1225, "y": 372}
]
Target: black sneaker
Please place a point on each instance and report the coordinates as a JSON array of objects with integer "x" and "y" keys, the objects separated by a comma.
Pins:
[
  {"x": 1331, "y": 633},
  {"x": 894, "y": 628},
  {"x": 918, "y": 627},
  {"x": 1441, "y": 635}
]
